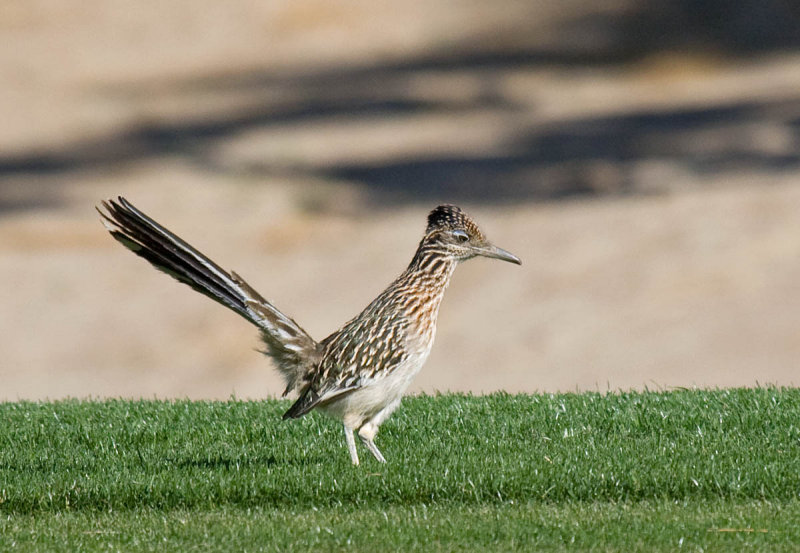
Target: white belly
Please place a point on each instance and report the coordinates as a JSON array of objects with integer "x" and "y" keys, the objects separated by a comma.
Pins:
[{"x": 377, "y": 398}]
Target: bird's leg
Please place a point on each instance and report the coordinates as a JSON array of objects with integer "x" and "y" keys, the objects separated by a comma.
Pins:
[
  {"x": 367, "y": 434},
  {"x": 351, "y": 444}
]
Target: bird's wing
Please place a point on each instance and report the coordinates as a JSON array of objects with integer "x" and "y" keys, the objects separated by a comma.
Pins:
[{"x": 312, "y": 397}]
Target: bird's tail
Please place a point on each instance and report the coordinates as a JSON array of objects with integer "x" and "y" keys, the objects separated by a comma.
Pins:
[{"x": 288, "y": 344}]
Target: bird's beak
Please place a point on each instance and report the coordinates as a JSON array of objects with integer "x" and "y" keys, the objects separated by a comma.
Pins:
[{"x": 498, "y": 253}]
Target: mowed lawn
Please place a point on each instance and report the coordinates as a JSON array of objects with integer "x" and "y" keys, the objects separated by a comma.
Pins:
[{"x": 690, "y": 470}]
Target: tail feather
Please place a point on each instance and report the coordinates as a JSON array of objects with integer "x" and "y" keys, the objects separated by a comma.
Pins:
[
  {"x": 169, "y": 253},
  {"x": 287, "y": 343}
]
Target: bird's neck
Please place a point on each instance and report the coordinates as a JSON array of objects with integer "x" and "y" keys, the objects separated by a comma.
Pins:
[
  {"x": 423, "y": 284},
  {"x": 431, "y": 265}
]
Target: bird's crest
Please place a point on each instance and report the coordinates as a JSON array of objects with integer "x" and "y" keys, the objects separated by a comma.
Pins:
[{"x": 451, "y": 217}]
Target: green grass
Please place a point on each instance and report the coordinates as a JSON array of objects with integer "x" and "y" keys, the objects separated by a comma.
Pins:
[{"x": 710, "y": 470}]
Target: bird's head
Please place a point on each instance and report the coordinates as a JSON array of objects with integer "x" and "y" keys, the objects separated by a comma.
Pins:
[{"x": 453, "y": 232}]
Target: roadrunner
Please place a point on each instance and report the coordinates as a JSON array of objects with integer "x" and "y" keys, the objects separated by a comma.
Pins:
[{"x": 357, "y": 374}]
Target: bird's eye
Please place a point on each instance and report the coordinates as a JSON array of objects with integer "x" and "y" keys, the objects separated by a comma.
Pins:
[{"x": 460, "y": 235}]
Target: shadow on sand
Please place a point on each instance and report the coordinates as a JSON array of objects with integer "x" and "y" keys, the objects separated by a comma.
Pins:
[{"x": 594, "y": 156}]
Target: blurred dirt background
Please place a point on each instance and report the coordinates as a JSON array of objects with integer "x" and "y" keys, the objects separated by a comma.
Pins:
[{"x": 642, "y": 158}]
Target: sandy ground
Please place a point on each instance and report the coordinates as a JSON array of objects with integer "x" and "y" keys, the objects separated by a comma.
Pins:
[{"x": 653, "y": 198}]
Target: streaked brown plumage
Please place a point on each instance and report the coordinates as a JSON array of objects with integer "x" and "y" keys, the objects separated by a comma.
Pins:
[{"x": 359, "y": 373}]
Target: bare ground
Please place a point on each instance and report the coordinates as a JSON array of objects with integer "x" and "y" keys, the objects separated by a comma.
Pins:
[{"x": 652, "y": 195}]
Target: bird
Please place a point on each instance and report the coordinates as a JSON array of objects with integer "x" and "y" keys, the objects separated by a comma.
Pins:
[{"x": 359, "y": 373}]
